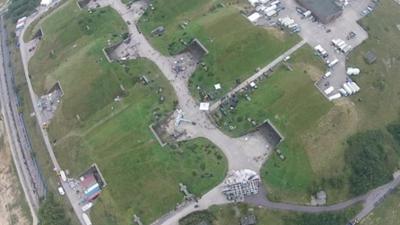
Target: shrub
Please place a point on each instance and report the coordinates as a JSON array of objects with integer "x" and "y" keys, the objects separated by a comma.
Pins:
[{"x": 367, "y": 157}]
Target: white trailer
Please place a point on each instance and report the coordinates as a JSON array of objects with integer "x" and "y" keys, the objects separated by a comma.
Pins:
[
  {"x": 353, "y": 89},
  {"x": 275, "y": 2},
  {"x": 341, "y": 46},
  {"x": 347, "y": 88},
  {"x": 329, "y": 90},
  {"x": 355, "y": 86},
  {"x": 333, "y": 63},
  {"x": 335, "y": 42},
  {"x": 19, "y": 26},
  {"x": 86, "y": 219},
  {"x": 260, "y": 8},
  {"x": 343, "y": 92},
  {"x": 87, "y": 206},
  {"x": 22, "y": 19},
  {"x": 321, "y": 51},
  {"x": 273, "y": 7},
  {"x": 334, "y": 97},
  {"x": 340, "y": 42},
  {"x": 271, "y": 13}
]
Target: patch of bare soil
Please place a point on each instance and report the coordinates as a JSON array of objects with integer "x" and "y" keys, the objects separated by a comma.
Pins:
[
  {"x": 314, "y": 72},
  {"x": 11, "y": 196},
  {"x": 276, "y": 32},
  {"x": 325, "y": 143}
]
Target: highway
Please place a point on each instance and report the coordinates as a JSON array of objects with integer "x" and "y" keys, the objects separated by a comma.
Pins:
[{"x": 27, "y": 169}]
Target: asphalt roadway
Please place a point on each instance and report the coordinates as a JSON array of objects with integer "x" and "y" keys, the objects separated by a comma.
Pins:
[
  {"x": 241, "y": 152},
  {"x": 25, "y": 56},
  {"x": 28, "y": 171}
]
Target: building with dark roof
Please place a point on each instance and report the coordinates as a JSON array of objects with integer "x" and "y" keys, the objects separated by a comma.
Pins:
[
  {"x": 370, "y": 57},
  {"x": 324, "y": 10}
]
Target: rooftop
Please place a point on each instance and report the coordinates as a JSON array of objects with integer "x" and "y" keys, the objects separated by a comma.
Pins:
[{"x": 321, "y": 8}]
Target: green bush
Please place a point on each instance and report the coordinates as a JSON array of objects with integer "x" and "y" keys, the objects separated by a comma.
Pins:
[
  {"x": 394, "y": 130},
  {"x": 319, "y": 219},
  {"x": 52, "y": 213},
  {"x": 20, "y": 8},
  {"x": 367, "y": 157},
  {"x": 197, "y": 218}
]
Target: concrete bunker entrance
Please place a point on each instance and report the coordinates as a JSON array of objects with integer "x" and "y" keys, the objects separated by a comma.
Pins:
[{"x": 270, "y": 133}]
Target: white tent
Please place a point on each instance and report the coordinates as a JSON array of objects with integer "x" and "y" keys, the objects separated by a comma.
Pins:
[
  {"x": 204, "y": 106},
  {"x": 254, "y": 17},
  {"x": 254, "y": 2},
  {"x": 352, "y": 71},
  {"x": 46, "y": 2}
]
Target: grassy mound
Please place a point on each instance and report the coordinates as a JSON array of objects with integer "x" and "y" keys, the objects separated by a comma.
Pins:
[
  {"x": 236, "y": 47},
  {"x": 90, "y": 127}
]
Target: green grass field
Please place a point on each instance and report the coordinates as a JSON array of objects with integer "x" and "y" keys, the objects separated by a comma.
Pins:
[
  {"x": 316, "y": 132},
  {"x": 379, "y": 81},
  {"x": 291, "y": 102},
  {"x": 236, "y": 47},
  {"x": 231, "y": 214},
  {"x": 90, "y": 127},
  {"x": 387, "y": 213}
]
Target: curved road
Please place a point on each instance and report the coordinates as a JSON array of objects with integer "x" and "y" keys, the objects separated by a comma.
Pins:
[{"x": 242, "y": 153}]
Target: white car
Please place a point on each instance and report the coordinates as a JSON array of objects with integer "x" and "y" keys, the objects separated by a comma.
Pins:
[{"x": 61, "y": 191}]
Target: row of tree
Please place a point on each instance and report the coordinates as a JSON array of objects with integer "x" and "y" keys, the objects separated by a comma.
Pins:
[
  {"x": 20, "y": 8},
  {"x": 52, "y": 212},
  {"x": 372, "y": 157}
]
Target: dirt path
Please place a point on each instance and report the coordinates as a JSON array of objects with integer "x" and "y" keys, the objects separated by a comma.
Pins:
[{"x": 11, "y": 197}]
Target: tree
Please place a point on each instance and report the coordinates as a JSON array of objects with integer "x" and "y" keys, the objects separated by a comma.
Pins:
[
  {"x": 52, "y": 212},
  {"x": 367, "y": 157}
]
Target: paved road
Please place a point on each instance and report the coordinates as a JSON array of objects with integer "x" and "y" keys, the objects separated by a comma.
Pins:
[
  {"x": 254, "y": 77},
  {"x": 375, "y": 197},
  {"x": 25, "y": 56},
  {"x": 317, "y": 34},
  {"x": 246, "y": 152},
  {"x": 28, "y": 171},
  {"x": 240, "y": 152}
]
